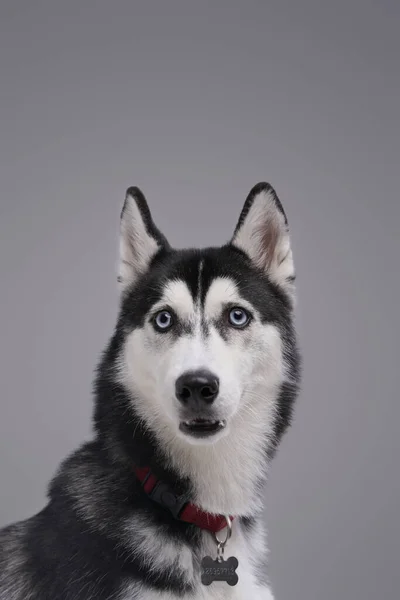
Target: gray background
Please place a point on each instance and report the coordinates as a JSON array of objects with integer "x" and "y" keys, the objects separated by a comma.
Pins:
[{"x": 195, "y": 102}]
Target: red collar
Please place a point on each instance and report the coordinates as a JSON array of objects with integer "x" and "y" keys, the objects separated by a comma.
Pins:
[{"x": 162, "y": 493}]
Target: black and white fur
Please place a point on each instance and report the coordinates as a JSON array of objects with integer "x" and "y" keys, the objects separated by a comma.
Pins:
[{"x": 100, "y": 537}]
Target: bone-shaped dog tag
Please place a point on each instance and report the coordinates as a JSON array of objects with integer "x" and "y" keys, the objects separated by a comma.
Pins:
[{"x": 219, "y": 570}]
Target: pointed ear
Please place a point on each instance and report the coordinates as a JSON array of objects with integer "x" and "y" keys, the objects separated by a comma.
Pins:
[
  {"x": 140, "y": 240},
  {"x": 262, "y": 233}
]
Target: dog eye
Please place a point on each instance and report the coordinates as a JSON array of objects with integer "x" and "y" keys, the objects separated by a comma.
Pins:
[
  {"x": 163, "y": 321},
  {"x": 238, "y": 317}
]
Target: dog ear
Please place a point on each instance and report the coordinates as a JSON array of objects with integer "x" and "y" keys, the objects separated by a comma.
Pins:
[
  {"x": 262, "y": 234},
  {"x": 140, "y": 240}
]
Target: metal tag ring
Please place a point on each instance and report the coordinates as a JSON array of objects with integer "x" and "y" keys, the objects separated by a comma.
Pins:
[{"x": 222, "y": 543}]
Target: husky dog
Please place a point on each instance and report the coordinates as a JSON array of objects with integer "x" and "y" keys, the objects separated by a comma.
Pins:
[{"x": 192, "y": 396}]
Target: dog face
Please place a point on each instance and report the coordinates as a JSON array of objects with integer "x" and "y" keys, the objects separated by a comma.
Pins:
[{"x": 207, "y": 334}]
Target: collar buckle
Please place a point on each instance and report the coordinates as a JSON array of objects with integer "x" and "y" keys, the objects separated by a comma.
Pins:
[{"x": 163, "y": 494}]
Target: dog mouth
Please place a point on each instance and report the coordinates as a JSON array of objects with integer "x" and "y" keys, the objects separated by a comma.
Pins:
[{"x": 201, "y": 428}]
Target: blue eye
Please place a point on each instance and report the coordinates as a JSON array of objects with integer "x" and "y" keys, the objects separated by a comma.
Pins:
[
  {"x": 163, "y": 320},
  {"x": 238, "y": 317}
]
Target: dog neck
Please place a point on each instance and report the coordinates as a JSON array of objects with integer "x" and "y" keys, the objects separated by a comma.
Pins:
[{"x": 226, "y": 477}]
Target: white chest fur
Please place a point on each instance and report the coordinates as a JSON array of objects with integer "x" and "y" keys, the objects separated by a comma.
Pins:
[{"x": 245, "y": 548}]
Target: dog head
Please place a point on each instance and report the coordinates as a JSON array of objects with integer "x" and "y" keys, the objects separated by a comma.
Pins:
[{"x": 206, "y": 337}]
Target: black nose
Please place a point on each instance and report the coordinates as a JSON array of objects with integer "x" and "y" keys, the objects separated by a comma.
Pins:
[{"x": 196, "y": 388}]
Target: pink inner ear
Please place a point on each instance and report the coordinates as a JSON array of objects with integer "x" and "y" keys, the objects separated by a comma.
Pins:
[{"x": 267, "y": 233}]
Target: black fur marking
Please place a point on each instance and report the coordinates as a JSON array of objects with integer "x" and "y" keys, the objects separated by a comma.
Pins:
[
  {"x": 110, "y": 562},
  {"x": 248, "y": 522}
]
